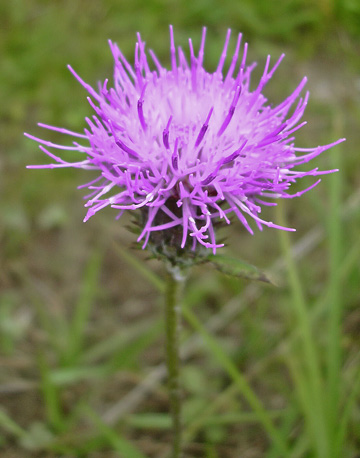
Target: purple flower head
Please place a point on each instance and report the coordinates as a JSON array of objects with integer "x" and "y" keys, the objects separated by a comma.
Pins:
[{"x": 186, "y": 148}]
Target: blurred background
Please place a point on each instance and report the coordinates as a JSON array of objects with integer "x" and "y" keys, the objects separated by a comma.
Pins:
[{"x": 81, "y": 331}]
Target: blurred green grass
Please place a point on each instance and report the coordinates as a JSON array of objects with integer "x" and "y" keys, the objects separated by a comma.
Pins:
[{"x": 81, "y": 322}]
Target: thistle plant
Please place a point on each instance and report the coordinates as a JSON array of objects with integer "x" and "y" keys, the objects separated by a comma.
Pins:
[{"x": 183, "y": 150}]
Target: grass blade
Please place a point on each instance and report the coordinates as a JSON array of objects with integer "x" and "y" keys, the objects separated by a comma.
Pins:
[
  {"x": 335, "y": 294},
  {"x": 240, "y": 381},
  {"x": 83, "y": 308},
  {"x": 10, "y": 426},
  {"x": 140, "y": 267},
  {"x": 50, "y": 394},
  {"x": 114, "y": 439},
  {"x": 308, "y": 347},
  {"x": 345, "y": 417}
]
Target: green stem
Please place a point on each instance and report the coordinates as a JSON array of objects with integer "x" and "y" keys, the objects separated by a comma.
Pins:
[{"x": 172, "y": 325}]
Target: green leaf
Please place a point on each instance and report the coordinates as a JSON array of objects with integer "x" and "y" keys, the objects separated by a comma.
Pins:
[
  {"x": 114, "y": 438},
  {"x": 240, "y": 381},
  {"x": 38, "y": 437},
  {"x": 237, "y": 268},
  {"x": 140, "y": 267},
  {"x": 9, "y": 425},
  {"x": 50, "y": 392},
  {"x": 150, "y": 421},
  {"x": 82, "y": 310},
  {"x": 68, "y": 375}
]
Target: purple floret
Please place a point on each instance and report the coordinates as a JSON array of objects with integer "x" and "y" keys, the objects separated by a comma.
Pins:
[{"x": 186, "y": 146}]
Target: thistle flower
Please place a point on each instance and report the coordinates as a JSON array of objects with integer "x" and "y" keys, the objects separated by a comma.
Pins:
[{"x": 186, "y": 148}]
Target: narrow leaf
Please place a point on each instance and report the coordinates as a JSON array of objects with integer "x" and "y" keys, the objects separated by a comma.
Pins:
[
  {"x": 237, "y": 268},
  {"x": 123, "y": 446}
]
